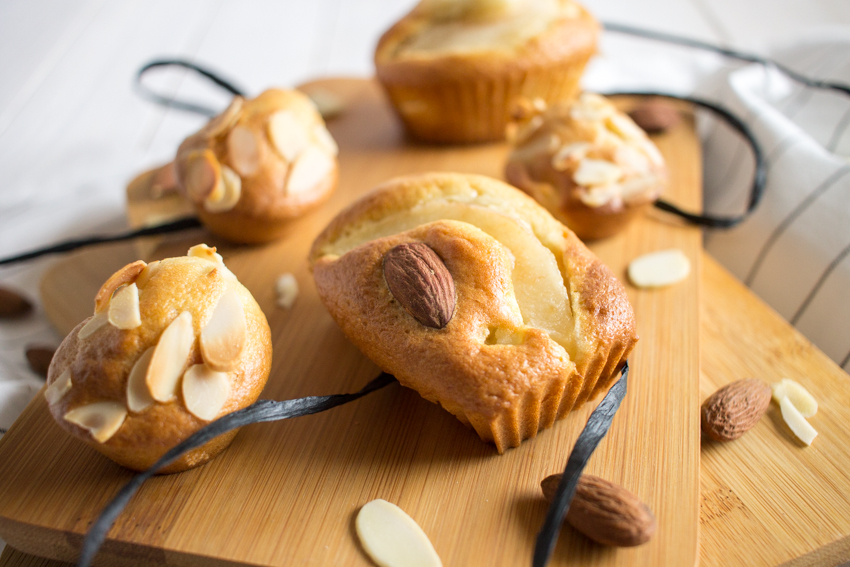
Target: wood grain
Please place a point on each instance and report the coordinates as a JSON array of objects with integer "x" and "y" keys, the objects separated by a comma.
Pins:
[
  {"x": 767, "y": 499},
  {"x": 288, "y": 492}
]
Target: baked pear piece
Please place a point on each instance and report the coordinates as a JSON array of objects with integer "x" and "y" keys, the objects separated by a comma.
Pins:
[{"x": 472, "y": 294}]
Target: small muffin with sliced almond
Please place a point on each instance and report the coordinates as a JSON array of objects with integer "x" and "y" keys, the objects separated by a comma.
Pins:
[
  {"x": 172, "y": 345},
  {"x": 257, "y": 165},
  {"x": 454, "y": 69},
  {"x": 588, "y": 163}
]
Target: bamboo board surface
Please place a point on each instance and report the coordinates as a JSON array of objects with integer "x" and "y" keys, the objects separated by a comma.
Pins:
[
  {"x": 287, "y": 492},
  {"x": 745, "y": 523}
]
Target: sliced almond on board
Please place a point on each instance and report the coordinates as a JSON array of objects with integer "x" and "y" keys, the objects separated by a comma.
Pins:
[
  {"x": 659, "y": 269},
  {"x": 169, "y": 358},
  {"x": 325, "y": 140},
  {"x": 243, "y": 151},
  {"x": 221, "y": 123},
  {"x": 124, "y": 308},
  {"x": 392, "y": 538},
  {"x": 124, "y": 276},
  {"x": 205, "y": 391},
  {"x": 224, "y": 336},
  {"x": 286, "y": 287},
  {"x": 597, "y": 172},
  {"x": 99, "y": 320},
  {"x": 58, "y": 388},
  {"x": 312, "y": 166},
  {"x": 138, "y": 395},
  {"x": 288, "y": 136},
  {"x": 102, "y": 419},
  {"x": 202, "y": 178},
  {"x": 223, "y": 201},
  {"x": 799, "y": 396},
  {"x": 796, "y": 422}
]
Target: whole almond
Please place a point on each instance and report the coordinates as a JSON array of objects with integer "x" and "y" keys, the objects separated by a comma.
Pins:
[
  {"x": 605, "y": 512},
  {"x": 734, "y": 409},
  {"x": 39, "y": 358},
  {"x": 12, "y": 304},
  {"x": 421, "y": 283},
  {"x": 655, "y": 116}
]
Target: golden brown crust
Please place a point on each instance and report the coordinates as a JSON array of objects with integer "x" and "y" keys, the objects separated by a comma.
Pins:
[
  {"x": 266, "y": 201},
  {"x": 551, "y": 144},
  {"x": 100, "y": 364},
  {"x": 488, "y": 366},
  {"x": 468, "y": 96}
]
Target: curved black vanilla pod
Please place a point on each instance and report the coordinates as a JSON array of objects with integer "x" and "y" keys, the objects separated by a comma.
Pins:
[
  {"x": 183, "y": 223},
  {"x": 260, "y": 411},
  {"x": 172, "y": 102},
  {"x": 732, "y": 53},
  {"x": 759, "y": 175},
  {"x": 597, "y": 427}
]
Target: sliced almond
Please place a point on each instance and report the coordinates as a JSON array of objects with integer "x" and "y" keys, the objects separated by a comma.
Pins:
[
  {"x": 324, "y": 139},
  {"x": 287, "y": 134},
  {"x": 124, "y": 308},
  {"x": 392, "y": 538},
  {"x": 221, "y": 123},
  {"x": 170, "y": 357},
  {"x": 799, "y": 396},
  {"x": 101, "y": 419},
  {"x": 205, "y": 391},
  {"x": 209, "y": 253},
  {"x": 243, "y": 151},
  {"x": 624, "y": 127},
  {"x": 525, "y": 131},
  {"x": 632, "y": 160},
  {"x": 597, "y": 172},
  {"x": 659, "y": 269},
  {"x": 600, "y": 195},
  {"x": 312, "y": 166},
  {"x": 220, "y": 202},
  {"x": 124, "y": 276},
  {"x": 138, "y": 395},
  {"x": 286, "y": 287},
  {"x": 796, "y": 422},
  {"x": 203, "y": 176},
  {"x": 58, "y": 388},
  {"x": 569, "y": 153},
  {"x": 146, "y": 274},
  {"x": 224, "y": 336},
  {"x": 99, "y": 320}
]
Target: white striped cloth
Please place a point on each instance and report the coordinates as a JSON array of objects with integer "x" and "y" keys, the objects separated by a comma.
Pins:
[{"x": 794, "y": 251}]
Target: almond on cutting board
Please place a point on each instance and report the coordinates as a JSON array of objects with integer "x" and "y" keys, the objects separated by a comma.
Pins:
[
  {"x": 734, "y": 409},
  {"x": 605, "y": 512},
  {"x": 13, "y": 304}
]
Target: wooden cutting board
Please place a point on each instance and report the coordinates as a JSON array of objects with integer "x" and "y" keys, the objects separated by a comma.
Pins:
[{"x": 287, "y": 493}]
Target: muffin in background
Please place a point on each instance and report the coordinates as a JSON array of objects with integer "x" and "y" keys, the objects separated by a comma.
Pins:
[
  {"x": 454, "y": 69},
  {"x": 257, "y": 165},
  {"x": 588, "y": 163}
]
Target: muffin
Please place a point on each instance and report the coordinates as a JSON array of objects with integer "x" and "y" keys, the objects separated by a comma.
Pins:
[
  {"x": 454, "y": 70},
  {"x": 172, "y": 345},
  {"x": 260, "y": 163},
  {"x": 470, "y": 293},
  {"x": 588, "y": 163}
]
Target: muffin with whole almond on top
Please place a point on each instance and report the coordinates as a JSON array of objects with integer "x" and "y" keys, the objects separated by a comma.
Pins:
[
  {"x": 588, "y": 163},
  {"x": 260, "y": 163},
  {"x": 454, "y": 69},
  {"x": 172, "y": 345}
]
